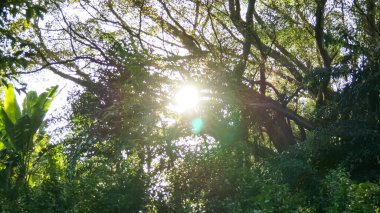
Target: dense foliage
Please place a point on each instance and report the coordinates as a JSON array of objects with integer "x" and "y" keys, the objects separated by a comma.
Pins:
[{"x": 288, "y": 118}]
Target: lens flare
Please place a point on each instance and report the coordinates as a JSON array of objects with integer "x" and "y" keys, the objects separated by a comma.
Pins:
[
  {"x": 186, "y": 98},
  {"x": 197, "y": 125}
]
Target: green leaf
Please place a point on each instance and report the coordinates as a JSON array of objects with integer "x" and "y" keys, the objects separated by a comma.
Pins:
[
  {"x": 28, "y": 103},
  {"x": 29, "y": 13},
  {"x": 9, "y": 129},
  {"x": 41, "y": 106},
  {"x": 18, "y": 53},
  {"x": 11, "y": 107},
  {"x": 23, "y": 134}
]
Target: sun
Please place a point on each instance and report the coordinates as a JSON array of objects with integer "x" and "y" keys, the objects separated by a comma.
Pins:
[{"x": 186, "y": 99}]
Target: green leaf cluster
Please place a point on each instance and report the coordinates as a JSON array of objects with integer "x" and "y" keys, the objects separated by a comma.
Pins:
[{"x": 18, "y": 131}]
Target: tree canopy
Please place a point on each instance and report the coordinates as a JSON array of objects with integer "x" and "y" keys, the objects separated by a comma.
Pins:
[{"x": 193, "y": 106}]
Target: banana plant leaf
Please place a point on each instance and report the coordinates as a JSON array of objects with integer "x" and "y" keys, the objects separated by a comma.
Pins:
[
  {"x": 11, "y": 107},
  {"x": 20, "y": 128}
]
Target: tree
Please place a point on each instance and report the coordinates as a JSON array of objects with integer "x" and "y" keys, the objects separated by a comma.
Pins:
[
  {"x": 290, "y": 91},
  {"x": 16, "y": 49},
  {"x": 267, "y": 61}
]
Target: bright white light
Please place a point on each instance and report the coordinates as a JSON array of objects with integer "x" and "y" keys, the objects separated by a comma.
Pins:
[{"x": 186, "y": 98}]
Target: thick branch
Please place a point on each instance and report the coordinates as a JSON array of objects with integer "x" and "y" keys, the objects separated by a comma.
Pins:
[
  {"x": 253, "y": 99},
  {"x": 251, "y": 35},
  {"x": 319, "y": 34}
]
